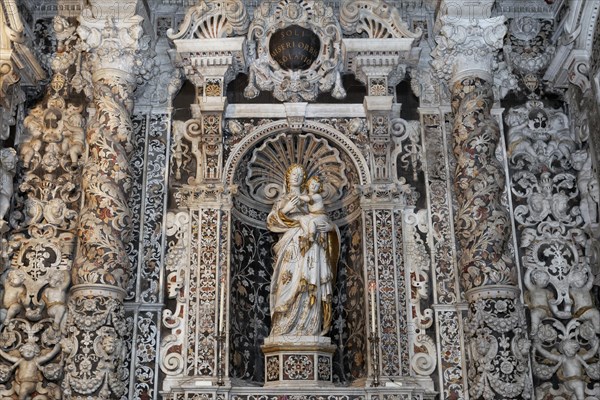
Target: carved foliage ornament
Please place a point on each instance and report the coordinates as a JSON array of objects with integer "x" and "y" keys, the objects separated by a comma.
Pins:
[
  {"x": 528, "y": 45},
  {"x": 376, "y": 18},
  {"x": 467, "y": 46},
  {"x": 212, "y": 19},
  {"x": 556, "y": 193},
  {"x": 287, "y": 22}
]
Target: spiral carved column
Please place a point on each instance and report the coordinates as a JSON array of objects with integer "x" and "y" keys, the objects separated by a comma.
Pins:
[
  {"x": 498, "y": 348},
  {"x": 96, "y": 365}
]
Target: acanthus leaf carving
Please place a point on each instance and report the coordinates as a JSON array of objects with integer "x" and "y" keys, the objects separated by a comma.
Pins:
[
  {"x": 376, "y": 18},
  {"x": 467, "y": 47},
  {"x": 211, "y": 19}
]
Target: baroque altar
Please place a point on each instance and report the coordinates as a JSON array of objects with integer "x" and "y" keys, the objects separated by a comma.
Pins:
[{"x": 307, "y": 199}]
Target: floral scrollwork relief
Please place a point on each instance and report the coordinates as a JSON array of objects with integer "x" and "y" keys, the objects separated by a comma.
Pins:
[
  {"x": 498, "y": 348},
  {"x": 211, "y": 19},
  {"x": 556, "y": 197},
  {"x": 96, "y": 347},
  {"x": 539, "y": 137},
  {"x": 423, "y": 355},
  {"x": 173, "y": 362},
  {"x": 376, "y": 18},
  {"x": 482, "y": 223}
]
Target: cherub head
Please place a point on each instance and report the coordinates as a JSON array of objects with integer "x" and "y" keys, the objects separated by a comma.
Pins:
[
  {"x": 55, "y": 278},
  {"x": 579, "y": 278},
  {"x": 29, "y": 351},
  {"x": 15, "y": 278},
  {"x": 8, "y": 157},
  {"x": 313, "y": 185},
  {"x": 569, "y": 347},
  {"x": 540, "y": 278},
  {"x": 109, "y": 344}
]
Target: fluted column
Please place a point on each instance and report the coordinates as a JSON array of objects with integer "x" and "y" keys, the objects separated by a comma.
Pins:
[
  {"x": 114, "y": 45},
  {"x": 498, "y": 348}
]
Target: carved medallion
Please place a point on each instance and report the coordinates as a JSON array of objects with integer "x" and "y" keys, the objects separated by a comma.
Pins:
[
  {"x": 294, "y": 51},
  {"x": 294, "y": 48}
]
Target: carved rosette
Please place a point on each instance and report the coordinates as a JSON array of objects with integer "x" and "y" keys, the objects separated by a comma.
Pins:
[{"x": 321, "y": 76}]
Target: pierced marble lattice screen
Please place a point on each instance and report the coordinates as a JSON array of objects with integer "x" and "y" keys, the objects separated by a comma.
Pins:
[{"x": 251, "y": 261}]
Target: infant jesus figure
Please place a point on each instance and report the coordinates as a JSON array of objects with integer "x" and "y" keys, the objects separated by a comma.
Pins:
[{"x": 315, "y": 217}]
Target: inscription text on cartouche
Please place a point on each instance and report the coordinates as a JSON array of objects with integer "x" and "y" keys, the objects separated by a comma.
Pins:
[{"x": 294, "y": 47}]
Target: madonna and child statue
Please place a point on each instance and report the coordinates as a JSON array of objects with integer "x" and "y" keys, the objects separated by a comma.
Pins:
[{"x": 305, "y": 263}]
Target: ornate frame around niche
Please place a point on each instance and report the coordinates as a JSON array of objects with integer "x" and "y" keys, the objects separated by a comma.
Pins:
[{"x": 302, "y": 85}]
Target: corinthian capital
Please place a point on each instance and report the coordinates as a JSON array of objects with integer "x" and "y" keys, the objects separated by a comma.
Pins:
[
  {"x": 467, "y": 46},
  {"x": 115, "y": 42}
]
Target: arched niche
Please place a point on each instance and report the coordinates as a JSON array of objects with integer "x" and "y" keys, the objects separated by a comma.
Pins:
[{"x": 256, "y": 165}]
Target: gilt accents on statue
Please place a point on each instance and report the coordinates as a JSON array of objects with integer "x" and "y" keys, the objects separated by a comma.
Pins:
[{"x": 306, "y": 258}]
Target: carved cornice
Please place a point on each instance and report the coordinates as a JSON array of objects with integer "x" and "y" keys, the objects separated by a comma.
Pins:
[
  {"x": 466, "y": 47},
  {"x": 210, "y": 58},
  {"x": 386, "y": 58}
]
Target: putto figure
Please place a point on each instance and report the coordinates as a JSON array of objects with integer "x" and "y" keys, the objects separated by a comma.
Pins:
[{"x": 301, "y": 287}]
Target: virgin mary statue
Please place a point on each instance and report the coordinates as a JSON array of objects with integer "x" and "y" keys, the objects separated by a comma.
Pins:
[{"x": 306, "y": 257}]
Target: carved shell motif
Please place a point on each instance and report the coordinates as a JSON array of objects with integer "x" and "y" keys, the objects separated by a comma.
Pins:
[{"x": 266, "y": 170}]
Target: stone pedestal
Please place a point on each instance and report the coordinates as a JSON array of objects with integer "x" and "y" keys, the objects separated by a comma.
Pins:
[{"x": 301, "y": 361}]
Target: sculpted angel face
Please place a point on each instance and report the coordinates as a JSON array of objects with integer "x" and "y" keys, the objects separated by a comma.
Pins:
[{"x": 540, "y": 278}]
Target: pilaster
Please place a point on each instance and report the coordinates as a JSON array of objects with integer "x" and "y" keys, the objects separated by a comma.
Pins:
[
  {"x": 495, "y": 328},
  {"x": 197, "y": 350}
]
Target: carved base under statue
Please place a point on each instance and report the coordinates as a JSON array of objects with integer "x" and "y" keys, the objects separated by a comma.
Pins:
[{"x": 301, "y": 361}]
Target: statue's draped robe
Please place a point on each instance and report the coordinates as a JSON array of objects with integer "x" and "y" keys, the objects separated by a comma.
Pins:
[{"x": 301, "y": 286}]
